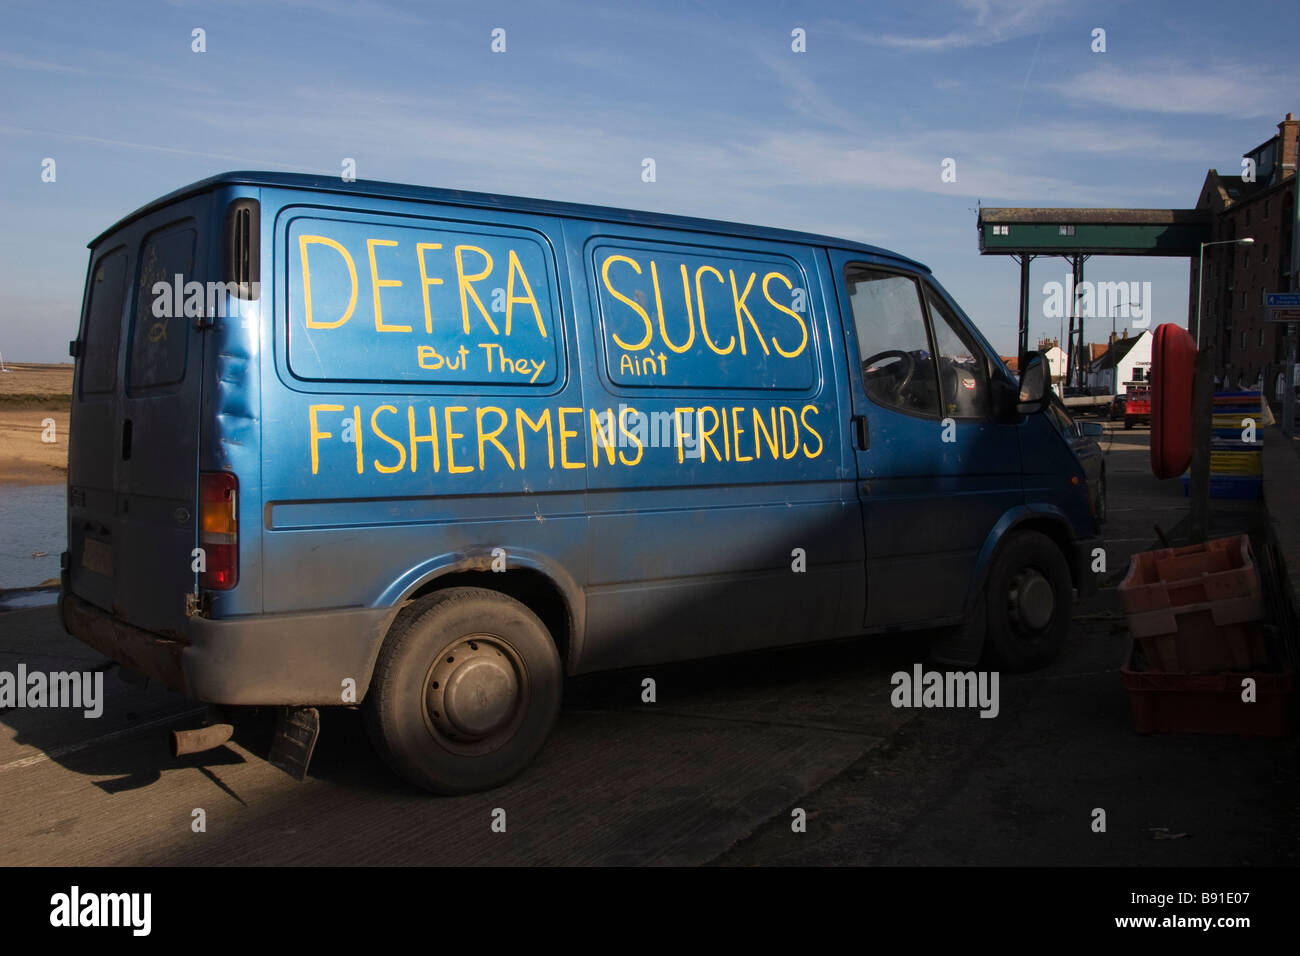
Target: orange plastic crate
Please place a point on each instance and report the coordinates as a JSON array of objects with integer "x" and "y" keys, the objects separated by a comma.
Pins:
[
  {"x": 1164, "y": 703},
  {"x": 1219, "y": 570}
]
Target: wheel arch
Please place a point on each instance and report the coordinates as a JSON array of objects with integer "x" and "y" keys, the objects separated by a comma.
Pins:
[
  {"x": 537, "y": 582},
  {"x": 1048, "y": 521}
]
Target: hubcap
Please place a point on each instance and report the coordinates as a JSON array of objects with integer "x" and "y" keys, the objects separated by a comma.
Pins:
[
  {"x": 473, "y": 690},
  {"x": 1032, "y": 599}
]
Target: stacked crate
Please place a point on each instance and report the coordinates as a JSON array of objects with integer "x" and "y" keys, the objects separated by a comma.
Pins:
[
  {"x": 1197, "y": 619},
  {"x": 1236, "y": 466}
]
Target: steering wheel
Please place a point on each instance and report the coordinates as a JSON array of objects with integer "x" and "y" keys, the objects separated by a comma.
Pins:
[{"x": 897, "y": 390}]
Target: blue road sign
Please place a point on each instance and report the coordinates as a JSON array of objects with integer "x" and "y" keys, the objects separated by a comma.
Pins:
[{"x": 1282, "y": 300}]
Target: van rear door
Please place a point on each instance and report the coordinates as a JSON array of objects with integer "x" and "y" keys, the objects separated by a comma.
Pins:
[{"x": 132, "y": 468}]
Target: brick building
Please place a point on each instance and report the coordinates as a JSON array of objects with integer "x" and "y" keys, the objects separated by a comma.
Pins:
[{"x": 1247, "y": 348}]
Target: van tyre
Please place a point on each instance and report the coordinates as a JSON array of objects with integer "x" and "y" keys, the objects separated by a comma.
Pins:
[
  {"x": 1029, "y": 598},
  {"x": 465, "y": 691}
]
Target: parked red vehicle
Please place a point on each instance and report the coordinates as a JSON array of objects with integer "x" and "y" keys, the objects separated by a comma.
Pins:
[{"x": 1137, "y": 403}]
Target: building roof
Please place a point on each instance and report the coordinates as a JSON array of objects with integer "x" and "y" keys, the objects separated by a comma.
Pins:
[
  {"x": 1071, "y": 216},
  {"x": 1116, "y": 352}
]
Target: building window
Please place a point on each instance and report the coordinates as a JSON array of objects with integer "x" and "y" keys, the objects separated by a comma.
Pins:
[
  {"x": 1001, "y": 230},
  {"x": 1243, "y": 340},
  {"x": 1065, "y": 230},
  {"x": 1248, "y": 216},
  {"x": 1247, "y": 262},
  {"x": 1266, "y": 202},
  {"x": 1243, "y": 306},
  {"x": 1263, "y": 253},
  {"x": 1261, "y": 338}
]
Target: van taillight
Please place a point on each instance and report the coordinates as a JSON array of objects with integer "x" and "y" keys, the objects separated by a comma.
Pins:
[{"x": 219, "y": 529}]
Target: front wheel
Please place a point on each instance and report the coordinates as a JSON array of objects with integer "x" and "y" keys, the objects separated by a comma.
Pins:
[
  {"x": 1029, "y": 598},
  {"x": 465, "y": 691}
]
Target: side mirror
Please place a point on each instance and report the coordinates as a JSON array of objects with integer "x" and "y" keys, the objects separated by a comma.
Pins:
[
  {"x": 1091, "y": 429},
  {"x": 1033, "y": 384}
]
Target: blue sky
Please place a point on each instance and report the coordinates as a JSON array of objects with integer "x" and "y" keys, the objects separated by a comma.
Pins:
[{"x": 846, "y": 138}]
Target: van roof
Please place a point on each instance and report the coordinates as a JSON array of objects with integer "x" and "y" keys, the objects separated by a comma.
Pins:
[{"x": 458, "y": 197}]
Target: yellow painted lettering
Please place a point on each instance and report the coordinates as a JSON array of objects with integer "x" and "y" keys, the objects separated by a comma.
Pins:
[
  {"x": 631, "y": 436},
  {"x": 426, "y": 280},
  {"x": 465, "y": 283},
  {"x": 635, "y": 306},
  {"x": 485, "y": 437},
  {"x": 452, "y": 467},
  {"x": 699, "y": 301},
  {"x": 677, "y": 428},
  {"x": 303, "y": 242},
  {"x": 431, "y": 438},
  {"x": 379, "y": 283},
  {"x": 401, "y": 449},
  {"x": 737, "y": 431},
  {"x": 704, "y": 437},
  {"x": 564, "y": 436},
  {"x": 788, "y": 311},
  {"x": 511, "y": 299},
  {"x": 316, "y": 433},
  {"x": 521, "y": 417},
  {"x": 600, "y": 437},
  {"x": 789, "y": 448},
  {"x": 356, "y": 436},
  {"x": 743, "y": 313},
  {"x": 803, "y": 417},
  {"x": 769, "y": 437}
]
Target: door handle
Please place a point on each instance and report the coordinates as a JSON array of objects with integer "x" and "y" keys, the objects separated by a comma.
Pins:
[{"x": 862, "y": 432}]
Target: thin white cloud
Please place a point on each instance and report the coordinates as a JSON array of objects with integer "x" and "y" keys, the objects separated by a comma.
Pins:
[
  {"x": 1235, "y": 90},
  {"x": 984, "y": 23}
]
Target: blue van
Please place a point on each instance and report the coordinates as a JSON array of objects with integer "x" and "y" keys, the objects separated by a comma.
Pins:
[{"x": 427, "y": 452}]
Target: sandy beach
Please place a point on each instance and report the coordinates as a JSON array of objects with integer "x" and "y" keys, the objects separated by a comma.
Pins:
[{"x": 31, "y": 395}]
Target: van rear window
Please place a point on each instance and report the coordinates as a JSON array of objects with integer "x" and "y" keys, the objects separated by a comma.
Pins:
[
  {"x": 703, "y": 320},
  {"x": 160, "y": 335},
  {"x": 103, "y": 324},
  {"x": 442, "y": 303}
]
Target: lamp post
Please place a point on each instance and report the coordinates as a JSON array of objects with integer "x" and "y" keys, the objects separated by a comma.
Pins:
[{"x": 1200, "y": 277}]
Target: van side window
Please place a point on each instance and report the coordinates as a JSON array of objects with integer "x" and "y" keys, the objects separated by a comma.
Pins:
[
  {"x": 104, "y": 324},
  {"x": 160, "y": 331},
  {"x": 963, "y": 369},
  {"x": 897, "y": 367}
]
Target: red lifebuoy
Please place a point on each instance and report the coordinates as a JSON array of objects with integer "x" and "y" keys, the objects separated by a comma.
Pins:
[{"x": 1173, "y": 365}]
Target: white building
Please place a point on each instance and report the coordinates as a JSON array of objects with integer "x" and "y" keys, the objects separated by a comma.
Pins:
[{"x": 1132, "y": 358}]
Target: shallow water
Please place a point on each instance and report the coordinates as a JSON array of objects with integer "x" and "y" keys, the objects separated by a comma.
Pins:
[{"x": 32, "y": 520}]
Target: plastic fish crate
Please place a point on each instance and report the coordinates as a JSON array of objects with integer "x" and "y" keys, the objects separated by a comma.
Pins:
[
  {"x": 1240, "y": 487},
  {"x": 1235, "y": 463},
  {"x": 1218, "y": 570},
  {"x": 1226, "y": 635},
  {"x": 1164, "y": 703}
]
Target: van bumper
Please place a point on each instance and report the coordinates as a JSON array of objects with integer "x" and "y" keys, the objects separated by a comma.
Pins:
[
  {"x": 1085, "y": 580},
  {"x": 260, "y": 660}
]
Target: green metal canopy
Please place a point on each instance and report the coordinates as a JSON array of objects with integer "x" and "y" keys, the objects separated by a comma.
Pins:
[{"x": 1093, "y": 232}]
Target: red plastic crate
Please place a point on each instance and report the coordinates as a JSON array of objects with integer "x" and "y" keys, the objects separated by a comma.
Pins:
[
  {"x": 1219, "y": 570},
  {"x": 1164, "y": 703},
  {"x": 1220, "y": 636}
]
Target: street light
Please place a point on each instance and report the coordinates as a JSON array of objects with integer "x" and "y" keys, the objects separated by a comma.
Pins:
[{"x": 1200, "y": 276}]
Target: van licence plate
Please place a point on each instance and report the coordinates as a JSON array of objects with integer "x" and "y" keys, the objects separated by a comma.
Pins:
[{"x": 97, "y": 556}]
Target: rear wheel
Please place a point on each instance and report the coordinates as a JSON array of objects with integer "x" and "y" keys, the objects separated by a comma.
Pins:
[
  {"x": 1128, "y": 422},
  {"x": 465, "y": 691},
  {"x": 1030, "y": 596}
]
